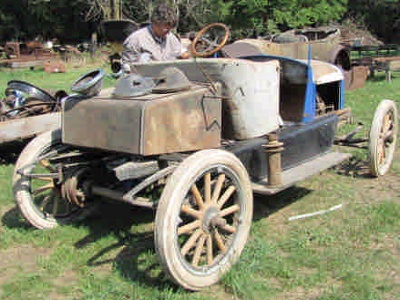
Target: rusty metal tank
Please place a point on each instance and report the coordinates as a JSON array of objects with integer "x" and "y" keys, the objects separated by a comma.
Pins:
[{"x": 149, "y": 124}]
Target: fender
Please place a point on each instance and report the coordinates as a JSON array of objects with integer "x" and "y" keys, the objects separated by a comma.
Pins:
[{"x": 340, "y": 56}]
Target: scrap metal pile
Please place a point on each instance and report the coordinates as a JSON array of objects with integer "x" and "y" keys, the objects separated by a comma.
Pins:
[{"x": 23, "y": 99}]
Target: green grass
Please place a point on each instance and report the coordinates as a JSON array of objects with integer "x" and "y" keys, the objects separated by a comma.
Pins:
[{"x": 351, "y": 253}]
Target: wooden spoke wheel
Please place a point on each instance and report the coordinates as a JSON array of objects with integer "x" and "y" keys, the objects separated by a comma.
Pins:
[
  {"x": 37, "y": 183},
  {"x": 203, "y": 218},
  {"x": 382, "y": 137},
  {"x": 210, "y": 39}
]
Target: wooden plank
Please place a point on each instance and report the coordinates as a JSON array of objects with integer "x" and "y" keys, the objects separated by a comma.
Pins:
[
  {"x": 27, "y": 127},
  {"x": 27, "y": 61},
  {"x": 26, "y": 64}
]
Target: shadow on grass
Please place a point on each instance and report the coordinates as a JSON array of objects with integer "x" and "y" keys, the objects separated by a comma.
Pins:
[
  {"x": 13, "y": 219},
  {"x": 132, "y": 240},
  {"x": 132, "y": 228},
  {"x": 136, "y": 259},
  {"x": 9, "y": 151},
  {"x": 265, "y": 205},
  {"x": 354, "y": 167},
  {"x": 112, "y": 218}
]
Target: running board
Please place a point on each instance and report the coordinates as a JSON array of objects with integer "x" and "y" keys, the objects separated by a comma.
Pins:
[{"x": 301, "y": 172}]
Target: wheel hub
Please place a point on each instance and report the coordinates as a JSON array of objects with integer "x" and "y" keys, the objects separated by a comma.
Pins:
[
  {"x": 73, "y": 188},
  {"x": 211, "y": 219}
]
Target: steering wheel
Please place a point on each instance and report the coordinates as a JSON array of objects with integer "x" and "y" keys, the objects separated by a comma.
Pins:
[{"x": 210, "y": 39}]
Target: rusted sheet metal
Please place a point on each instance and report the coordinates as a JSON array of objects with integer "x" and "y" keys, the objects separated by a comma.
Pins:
[
  {"x": 356, "y": 77},
  {"x": 27, "y": 127},
  {"x": 321, "y": 50},
  {"x": 54, "y": 66},
  {"x": 146, "y": 125}
]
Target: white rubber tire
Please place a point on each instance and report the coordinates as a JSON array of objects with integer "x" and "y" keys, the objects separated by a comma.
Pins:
[
  {"x": 169, "y": 215},
  {"x": 383, "y": 137}
]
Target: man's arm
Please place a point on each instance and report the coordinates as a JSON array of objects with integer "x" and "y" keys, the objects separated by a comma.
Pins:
[{"x": 129, "y": 54}]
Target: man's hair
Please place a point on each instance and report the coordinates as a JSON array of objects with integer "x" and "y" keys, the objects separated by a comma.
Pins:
[{"x": 163, "y": 14}]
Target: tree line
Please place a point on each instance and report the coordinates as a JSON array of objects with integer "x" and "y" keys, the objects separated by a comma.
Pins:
[{"x": 75, "y": 20}]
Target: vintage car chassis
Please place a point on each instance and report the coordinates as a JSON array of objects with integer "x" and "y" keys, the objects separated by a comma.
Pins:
[{"x": 195, "y": 154}]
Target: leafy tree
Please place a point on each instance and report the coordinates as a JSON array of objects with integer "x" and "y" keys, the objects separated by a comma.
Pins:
[
  {"x": 271, "y": 15},
  {"x": 62, "y": 19},
  {"x": 193, "y": 14},
  {"x": 11, "y": 12},
  {"x": 381, "y": 16},
  {"x": 74, "y": 20}
]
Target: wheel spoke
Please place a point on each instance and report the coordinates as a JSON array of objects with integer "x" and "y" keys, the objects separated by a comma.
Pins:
[
  {"x": 43, "y": 188},
  {"x": 228, "y": 228},
  {"x": 189, "y": 227},
  {"x": 219, "y": 241},
  {"x": 191, "y": 241},
  {"x": 197, "y": 196},
  {"x": 48, "y": 166},
  {"x": 45, "y": 202},
  {"x": 225, "y": 197},
  {"x": 199, "y": 250},
  {"x": 229, "y": 210},
  {"x": 44, "y": 178},
  {"x": 381, "y": 152},
  {"x": 387, "y": 123},
  {"x": 207, "y": 187},
  {"x": 388, "y": 136},
  {"x": 186, "y": 209},
  {"x": 209, "y": 250},
  {"x": 218, "y": 187}
]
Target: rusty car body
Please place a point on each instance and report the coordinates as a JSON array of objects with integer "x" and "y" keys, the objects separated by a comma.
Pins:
[
  {"x": 322, "y": 43},
  {"x": 193, "y": 139},
  {"x": 325, "y": 43}
]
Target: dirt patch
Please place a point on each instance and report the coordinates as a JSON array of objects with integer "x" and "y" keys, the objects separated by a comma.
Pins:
[
  {"x": 218, "y": 292},
  {"x": 315, "y": 293},
  {"x": 26, "y": 258},
  {"x": 66, "y": 278}
]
